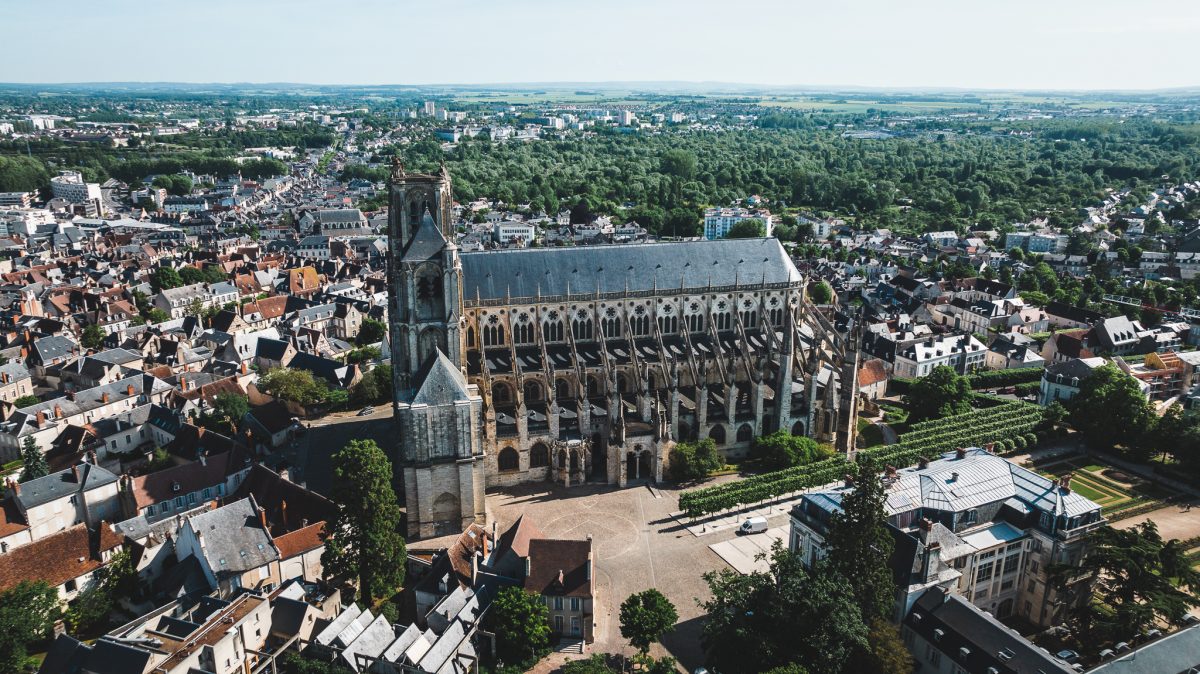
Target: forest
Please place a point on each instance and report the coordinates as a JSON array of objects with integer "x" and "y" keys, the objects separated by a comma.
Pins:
[{"x": 918, "y": 182}]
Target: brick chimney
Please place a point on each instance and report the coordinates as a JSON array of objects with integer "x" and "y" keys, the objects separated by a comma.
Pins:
[
  {"x": 70, "y": 395},
  {"x": 57, "y": 412},
  {"x": 960, "y": 453},
  {"x": 75, "y": 472},
  {"x": 262, "y": 518},
  {"x": 14, "y": 487},
  {"x": 129, "y": 389},
  {"x": 183, "y": 383},
  {"x": 245, "y": 368},
  {"x": 41, "y": 418},
  {"x": 283, "y": 513},
  {"x": 933, "y": 557},
  {"x": 1064, "y": 483},
  {"x": 104, "y": 398}
]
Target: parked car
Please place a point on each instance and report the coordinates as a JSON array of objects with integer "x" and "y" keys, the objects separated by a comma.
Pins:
[
  {"x": 753, "y": 525},
  {"x": 366, "y": 410},
  {"x": 1067, "y": 656}
]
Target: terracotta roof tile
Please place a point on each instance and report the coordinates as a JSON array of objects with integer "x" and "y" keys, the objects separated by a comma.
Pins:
[
  {"x": 57, "y": 558},
  {"x": 301, "y": 541},
  {"x": 558, "y": 567}
]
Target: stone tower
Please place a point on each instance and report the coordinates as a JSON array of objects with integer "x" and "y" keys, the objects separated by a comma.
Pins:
[{"x": 437, "y": 413}]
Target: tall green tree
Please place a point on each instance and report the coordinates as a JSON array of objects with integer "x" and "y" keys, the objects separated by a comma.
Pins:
[
  {"x": 165, "y": 278},
  {"x": 820, "y": 293},
  {"x": 231, "y": 407},
  {"x": 93, "y": 337},
  {"x": 1111, "y": 410},
  {"x": 33, "y": 461},
  {"x": 363, "y": 540},
  {"x": 783, "y": 616},
  {"x": 781, "y": 449},
  {"x": 27, "y": 616},
  {"x": 1138, "y": 580},
  {"x": 859, "y": 545},
  {"x": 750, "y": 228},
  {"x": 521, "y": 623},
  {"x": 941, "y": 393},
  {"x": 371, "y": 331},
  {"x": 645, "y": 617}
]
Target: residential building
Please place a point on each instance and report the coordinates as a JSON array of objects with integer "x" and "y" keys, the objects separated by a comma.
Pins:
[
  {"x": 70, "y": 186},
  {"x": 66, "y": 561},
  {"x": 1061, "y": 380},
  {"x": 179, "y": 301},
  {"x": 233, "y": 546},
  {"x": 560, "y": 572},
  {"x": 718, "y": 221},
  {"x": 963, "y": 353},
  {"x": 974, "y": 524},
  {"x": 82, "y": 494}
]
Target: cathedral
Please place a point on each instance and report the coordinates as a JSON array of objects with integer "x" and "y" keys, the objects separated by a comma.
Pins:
[{"x": 587, "y": 364}]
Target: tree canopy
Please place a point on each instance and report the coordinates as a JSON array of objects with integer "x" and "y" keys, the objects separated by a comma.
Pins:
[
  {"x": 521, "y": 623},
  {"x": 363, "y": 540},
  {"x": 859, "y": 544},
  {"x": 27, "y": 616},
  {"x": 1110, "y": 409},
  {"x": 941, "y": 393},
  {"x": 645, "y": 617},
  {"x": 781, "y": 449}
]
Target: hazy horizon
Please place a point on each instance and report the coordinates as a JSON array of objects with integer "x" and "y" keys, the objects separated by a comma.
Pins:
[{"x": 1022, "y": 45}]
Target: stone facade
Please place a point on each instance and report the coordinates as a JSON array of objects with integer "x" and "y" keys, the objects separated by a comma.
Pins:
[{"x": 588, "y": 364}]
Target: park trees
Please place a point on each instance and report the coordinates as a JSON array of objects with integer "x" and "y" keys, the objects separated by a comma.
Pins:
[
  {"x": 1138, "y": 579},
  {"x": 694, "y": 460},
  {"x": 753, "y": 620},
  {"x": 165, "y": 278},
  {"x": 645, "y": 617},
  {"x": 297, "y": 386},
  {"x": 362, "y": 539},
  {"x": 941, "y": 393},
  {"x": 781, "y": 449},
  {"x": 521, "y": 623},
  {"x": 1111, "y": 410}
]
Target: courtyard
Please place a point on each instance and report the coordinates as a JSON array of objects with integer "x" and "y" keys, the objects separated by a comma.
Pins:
[{"x": 637, "y": 545}]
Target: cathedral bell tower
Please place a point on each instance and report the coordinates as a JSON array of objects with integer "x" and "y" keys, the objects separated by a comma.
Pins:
[{"x": 437, "y": 413}]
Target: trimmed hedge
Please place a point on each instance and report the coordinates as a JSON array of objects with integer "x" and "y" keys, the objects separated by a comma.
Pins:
[
  {"x": 997, "y": 378},
  {"x": 1008, "y": 423}
]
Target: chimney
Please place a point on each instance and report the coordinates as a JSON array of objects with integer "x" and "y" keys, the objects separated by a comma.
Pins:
[
  {"x": 70, "y": 395},
  {"x": 933, "y": 557},
  {"x": 925, "y": 525},
  {"x": 1064, "y": 483},
  {"x": 528, "y": 566},
  {"x": 41, "y": 418},
  {"x": 849, "y": 480},
  {"x": 954, "y": 476},
  {"x": 57, "y": 412},
  {"x": 183, "y": 383},
  {"x": 129, "y": 389},
  {"x": 262, "y": 518},
  {"x": 283, "y": 513},
  {"x": 960, "y": 453},
  {"x": 245, "y": 368},
  {"x": 990, "y": 448},
  {"x": 91, "y": 457},
  {"x": 75, "y": 472},
  {"x": 922, "y": 462},
  {"x": 104, "y": 398},
  {"x": 14, "y": 487},
  {"x": 4, "y": 377},
  {"x": 890, "y": 472}
]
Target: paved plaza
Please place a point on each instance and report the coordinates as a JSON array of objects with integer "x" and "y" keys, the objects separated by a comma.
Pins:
[{"x": 742, "y": 552}]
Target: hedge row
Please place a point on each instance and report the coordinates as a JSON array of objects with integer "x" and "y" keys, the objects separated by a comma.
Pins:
[{"x": 1011, "y": 424}]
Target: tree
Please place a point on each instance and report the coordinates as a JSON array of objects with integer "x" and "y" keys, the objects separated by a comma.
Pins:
[
  {"x": 195, "y": 308},
  {"x": 521, "y": 622},
  {"x": 27, "y": 616},
  {"x": 694, "y": 460},
  {"x": 820, "y": 293},
  {"x": 753, "y": 620},
  {"x": 25, "y": 401},
  {"x": 165, "y": 278},
  {"x": 750, "y": 228},
  {"x": 645, "y": 617},
  {"x": 90, "y": 611},
  {"x": 362, "y": 539},
  {"x": 231, "y": 407},
  {"x": 1110, "y": 409},
  {"x": 781, "y": 449},
  {"x": 1138, "y": 580},
  {"x": 885, "y": 652},
  {"x": 33, "y": 461},
  {"x": 93, "y": 337},
  {"x": 941, "y": 393},
  {"x": 157, "y": 315},
  {"x": 859, "y": 545},
  {"x": 297, "y": 386},
  {"x": 371, "y": 331}
]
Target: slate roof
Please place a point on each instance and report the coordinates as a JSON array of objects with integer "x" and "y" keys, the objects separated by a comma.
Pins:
[
  {"x": 524, "y": 272},
  {"x": 234, "y": 539},
  {"x": 1178, "y": 652},
  {"x": 441, "y": 383},
  {"x": 974, "y": 639},
  {"x": 426, "y": 242},
  {"x": 80, "y": 478}
]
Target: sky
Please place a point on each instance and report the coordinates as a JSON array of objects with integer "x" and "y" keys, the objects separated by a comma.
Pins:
[{"x": 971, "y": 44}]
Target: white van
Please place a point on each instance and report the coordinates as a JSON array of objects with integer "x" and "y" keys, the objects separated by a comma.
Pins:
[{"x": 753, "y": 525}]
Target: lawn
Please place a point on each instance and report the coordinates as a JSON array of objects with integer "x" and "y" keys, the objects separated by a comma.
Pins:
[{"x": 1112, "y": 496}]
